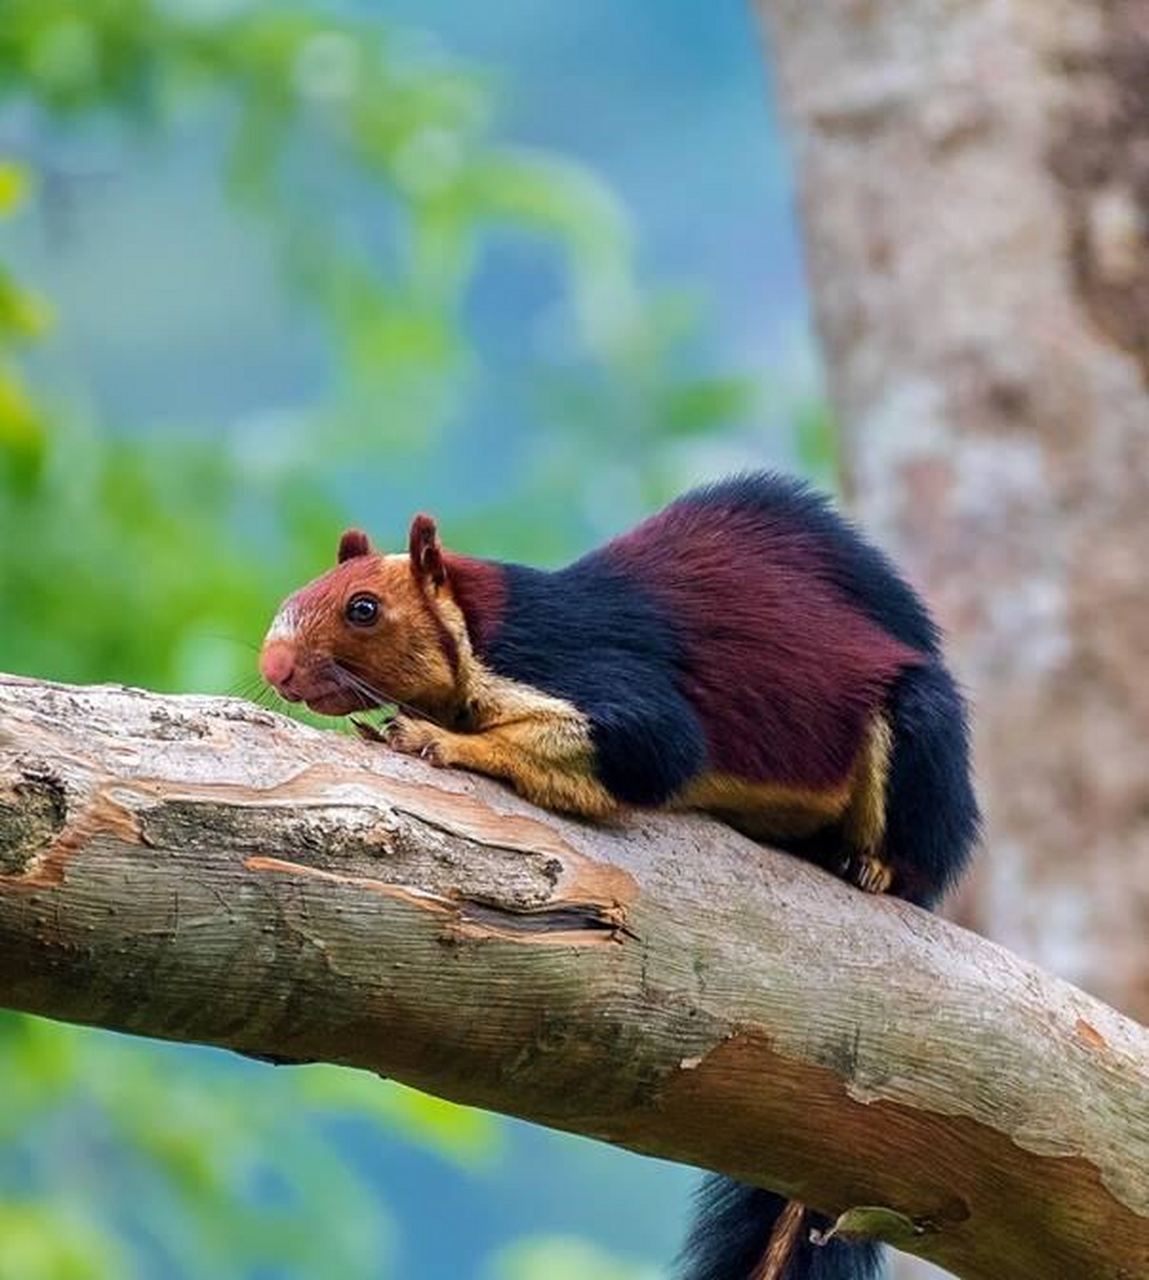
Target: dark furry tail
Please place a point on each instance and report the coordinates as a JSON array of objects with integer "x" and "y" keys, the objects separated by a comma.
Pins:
[{"x": 736, "y": 1226}]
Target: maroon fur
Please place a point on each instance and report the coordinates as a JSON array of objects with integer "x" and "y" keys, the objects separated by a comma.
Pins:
[
  {"x": 783, "y": 673},
  {"x": 480, "y": 591},
  {"x": 353, "y": 544},
  {"x": 328, "y": 592},
  {"x": 426, "y": 554}
]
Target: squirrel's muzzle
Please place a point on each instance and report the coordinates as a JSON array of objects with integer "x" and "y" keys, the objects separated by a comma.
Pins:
[{"x": 277, "y": 666}]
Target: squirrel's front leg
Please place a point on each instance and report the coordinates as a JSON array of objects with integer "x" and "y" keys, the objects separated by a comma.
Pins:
[
  {"x": 419, "y": 738},
  {"x": 547, "y": 759}
]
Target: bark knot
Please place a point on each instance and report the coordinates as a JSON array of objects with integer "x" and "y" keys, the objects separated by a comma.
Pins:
[{"x": 33, "y": 807}]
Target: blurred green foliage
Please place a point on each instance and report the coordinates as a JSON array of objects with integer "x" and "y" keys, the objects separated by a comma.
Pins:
[
  {"x": 314, "y": 111},
  {"x": 218, "y": 1169},
  {"x": 24, "y": 316},
  {"x": 559, "y": 1258},
  {"x": 155, "y": 558}
]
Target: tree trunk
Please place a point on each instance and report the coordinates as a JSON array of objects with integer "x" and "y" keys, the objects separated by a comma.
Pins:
[
  {"x": 198, "y": 869},
  {"x": 975, "y": 191}
]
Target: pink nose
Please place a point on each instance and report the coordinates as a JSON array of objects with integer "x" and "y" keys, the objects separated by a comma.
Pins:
[{"x": 277, "y": 664}]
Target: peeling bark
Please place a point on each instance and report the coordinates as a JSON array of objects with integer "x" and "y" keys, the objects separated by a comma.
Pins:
[
  {"x": 975, "y": 194},
  {"x": 198, "y": 869}
]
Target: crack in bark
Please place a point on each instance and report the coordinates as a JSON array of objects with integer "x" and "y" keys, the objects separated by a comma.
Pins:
[{"x": 576, "y": 923}]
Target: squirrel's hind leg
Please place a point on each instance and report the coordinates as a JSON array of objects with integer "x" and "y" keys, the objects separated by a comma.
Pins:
[
  {"x": 864, "y": 822},
  {"x": 913, "y": 817}
]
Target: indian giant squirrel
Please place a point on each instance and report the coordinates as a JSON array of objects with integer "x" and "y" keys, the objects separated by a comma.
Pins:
[{"x": 745, "y": 651}]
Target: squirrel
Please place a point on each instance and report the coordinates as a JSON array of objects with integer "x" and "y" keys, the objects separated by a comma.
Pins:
[{"x": 745, "y": 651}]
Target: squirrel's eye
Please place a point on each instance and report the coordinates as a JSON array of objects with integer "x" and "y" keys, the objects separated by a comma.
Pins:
[{"x": 362, "y": 611}]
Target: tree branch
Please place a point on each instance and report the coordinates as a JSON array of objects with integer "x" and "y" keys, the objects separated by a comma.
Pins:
[{"x": 198, "y": 869}]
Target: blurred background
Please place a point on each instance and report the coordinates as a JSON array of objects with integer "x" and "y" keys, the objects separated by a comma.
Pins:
[{"x": 271, "y": 269}]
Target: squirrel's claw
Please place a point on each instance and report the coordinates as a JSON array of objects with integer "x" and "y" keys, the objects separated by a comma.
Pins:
[
  {"x": 415, "y": 738},
  {"x": 869, "y": 873}
]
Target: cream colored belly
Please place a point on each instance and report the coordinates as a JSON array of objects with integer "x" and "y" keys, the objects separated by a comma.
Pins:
[
  {"x": 771, "y": 809},
  {"x": 767, "y": 808}
]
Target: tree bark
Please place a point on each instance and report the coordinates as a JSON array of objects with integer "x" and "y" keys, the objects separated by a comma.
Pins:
[
  {"x": 199, "y": 869},
  {"x": 975, "y": 196}
]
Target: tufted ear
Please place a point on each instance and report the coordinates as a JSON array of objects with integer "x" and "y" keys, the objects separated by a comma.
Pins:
[
  {"x": 426, "y": 553},
  {"x": 353, "y": 543}
]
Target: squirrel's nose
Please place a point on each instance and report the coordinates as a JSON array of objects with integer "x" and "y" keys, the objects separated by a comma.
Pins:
[{"x": 277, "y": 664}]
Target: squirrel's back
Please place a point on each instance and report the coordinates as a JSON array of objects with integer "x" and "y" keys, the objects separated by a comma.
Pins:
[{"x": 790, "y": 628}]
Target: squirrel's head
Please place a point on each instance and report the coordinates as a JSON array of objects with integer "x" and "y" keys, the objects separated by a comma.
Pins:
[{"x": 375, "y": 629}]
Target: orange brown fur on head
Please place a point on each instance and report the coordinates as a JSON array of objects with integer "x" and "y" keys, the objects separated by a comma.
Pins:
[{"x": 375, "y": 629}]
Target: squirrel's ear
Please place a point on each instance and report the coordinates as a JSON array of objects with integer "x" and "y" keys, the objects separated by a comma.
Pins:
[
  {"x": 354, "y": 543},
  {"x": 426, "y": 553}
]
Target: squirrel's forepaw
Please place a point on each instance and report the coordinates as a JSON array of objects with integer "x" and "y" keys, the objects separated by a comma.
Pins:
[{"x": 416, "y": 738}]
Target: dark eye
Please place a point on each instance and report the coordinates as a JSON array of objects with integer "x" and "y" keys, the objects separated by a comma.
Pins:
[{"x": 362, "y": 611}]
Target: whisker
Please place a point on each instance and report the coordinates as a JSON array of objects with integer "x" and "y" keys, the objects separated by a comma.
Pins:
[
  {"x": 248, "y": 687},
  {"x": 356, "y": 683},
  {"x": 282, "y": 707},
  {"x": 277, "y": 702},
  {"x": 371, "y": 698},
  {"x": 257, "y": 690},
  {"x": 368, "y": 700}
]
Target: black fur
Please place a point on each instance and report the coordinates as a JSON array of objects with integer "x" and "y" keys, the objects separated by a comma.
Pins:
[
  {"x": 587, "y": 634},
  {"x": 932, "y": 816},
  {"x": 733, "y": 1227}
]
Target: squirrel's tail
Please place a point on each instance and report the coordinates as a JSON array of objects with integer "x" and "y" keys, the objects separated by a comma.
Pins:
[{"x": 744, "y": 1233}]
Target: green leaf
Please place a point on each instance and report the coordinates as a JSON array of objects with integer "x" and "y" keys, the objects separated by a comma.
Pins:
[
  {"x": 15, "y": 185},
  {"x": 462, "y": 1134},
  {"x": 816, "y": 439},
  {"x": 43, "y": 1243},
  {"x": 562, "y": 1258},
  {"x": 23, "y": 315},
  {"x": 697, "y": 407}
]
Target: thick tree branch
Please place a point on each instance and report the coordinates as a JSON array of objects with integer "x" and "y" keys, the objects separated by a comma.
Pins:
[{"x": 201, "y": 870}]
